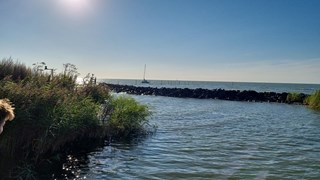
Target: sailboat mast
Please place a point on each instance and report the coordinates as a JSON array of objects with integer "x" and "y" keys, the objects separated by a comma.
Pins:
[{"x": 144, "y": 73}]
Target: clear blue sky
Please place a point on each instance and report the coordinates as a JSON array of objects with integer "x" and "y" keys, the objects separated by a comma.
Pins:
[{"x": 217, "y": 40}]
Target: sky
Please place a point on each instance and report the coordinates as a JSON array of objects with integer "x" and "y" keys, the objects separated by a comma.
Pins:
[{"x": 208, "y": 40}]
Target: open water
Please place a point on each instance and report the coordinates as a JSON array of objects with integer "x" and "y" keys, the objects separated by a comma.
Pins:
[{"x": 213, "y": 139}]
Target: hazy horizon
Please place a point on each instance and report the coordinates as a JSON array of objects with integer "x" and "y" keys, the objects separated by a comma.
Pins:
[
  {"x": 273, "y": 41},
  {"x": 185, "y": 80}
]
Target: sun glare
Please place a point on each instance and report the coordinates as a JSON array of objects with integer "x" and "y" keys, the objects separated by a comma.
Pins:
[{"x": 75, "y": 7}]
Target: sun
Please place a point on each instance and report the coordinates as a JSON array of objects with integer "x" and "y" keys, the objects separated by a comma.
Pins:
[{"x": 75, "y": 6}]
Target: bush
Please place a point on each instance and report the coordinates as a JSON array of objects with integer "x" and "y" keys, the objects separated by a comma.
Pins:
[{"x": 313, "y": 101}]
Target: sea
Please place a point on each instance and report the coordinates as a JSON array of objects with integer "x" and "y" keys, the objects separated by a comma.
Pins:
[
  {"x": 211, "y": 139},
  {"x": 256, "y": 86}
]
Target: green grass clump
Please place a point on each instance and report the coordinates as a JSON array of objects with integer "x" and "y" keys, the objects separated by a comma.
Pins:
[
  {"x": 313, "y": 101},
  {"x": 295, "y": 98},
  {"x": 127, "y": 116}
]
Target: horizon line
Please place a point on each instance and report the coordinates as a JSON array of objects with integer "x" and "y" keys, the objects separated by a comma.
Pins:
[{"x": 309, "y": 83}]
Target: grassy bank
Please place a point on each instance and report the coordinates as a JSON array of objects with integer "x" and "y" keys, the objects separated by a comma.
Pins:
[{"x": 53, "y": 113}]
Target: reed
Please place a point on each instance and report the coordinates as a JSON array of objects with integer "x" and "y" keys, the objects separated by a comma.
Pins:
[
  {"x": 54, "y": 113},
  {"x": 295, "y": 98},
  {"x": 313, "y": 101},
  {"x": 127, "y": 116},
  {"x": 43, "y": 115},
  {"x": 15, "y": 70}
]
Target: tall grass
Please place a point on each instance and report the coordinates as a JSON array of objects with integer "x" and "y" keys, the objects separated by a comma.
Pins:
[
  {"x": 15, "y": 70},
  {"x": 43, "y": 115},
  {"x": 127, "y": 116},
  {"x": 52, "y": 114},
  {"x": 313, "y": 101},
  {"x": 295, "y": 98}
]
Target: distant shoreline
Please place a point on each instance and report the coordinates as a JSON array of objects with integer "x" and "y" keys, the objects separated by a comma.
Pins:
[{"x": 206, "y": 81}]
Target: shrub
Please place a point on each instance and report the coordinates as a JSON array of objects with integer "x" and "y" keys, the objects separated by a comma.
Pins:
[{"x": 313, "y": 101}]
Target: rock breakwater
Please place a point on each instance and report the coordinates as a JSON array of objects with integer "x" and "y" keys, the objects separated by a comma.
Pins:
[{"x": 199, "y": 93}]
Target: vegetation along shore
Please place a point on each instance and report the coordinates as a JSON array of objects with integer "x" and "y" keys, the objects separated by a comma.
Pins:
[{"x": 53, "y": 115}]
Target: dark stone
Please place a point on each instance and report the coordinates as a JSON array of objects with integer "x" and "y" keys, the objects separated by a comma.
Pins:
[{"x": 199, "y": 93}]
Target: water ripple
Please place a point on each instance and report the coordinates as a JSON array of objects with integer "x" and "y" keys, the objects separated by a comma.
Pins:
[{"x": 212, "y": 139}]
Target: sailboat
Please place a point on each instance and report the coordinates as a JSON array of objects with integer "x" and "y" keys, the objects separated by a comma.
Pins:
[{"x": 144, "y": 76}]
